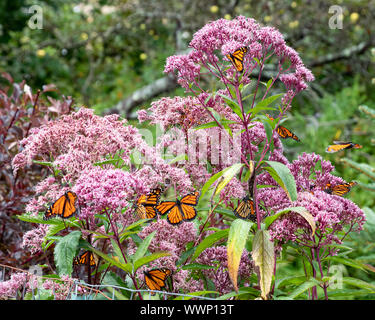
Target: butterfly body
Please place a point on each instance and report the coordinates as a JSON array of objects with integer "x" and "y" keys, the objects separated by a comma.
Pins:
[
  {"x": 64, "y": 207},
  {"x": 237, "y": 58},
  {"x": 341, "y": 145},
  {"x": 179, "y": 210},
  {"x": 155, "y": 278}
]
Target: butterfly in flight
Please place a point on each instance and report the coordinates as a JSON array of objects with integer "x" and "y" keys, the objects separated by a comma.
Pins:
[
  {"x": 86, "y": 258},
  {"x": 145, "y": 207},
  {"x": 340, "y": 189},
  {"x": 340, "y": 145},
  {"x": 284, "y": 132},
  {"x": 237, "y": 58},
  {"x": 63, "y": 207},
  {"x": 179, "y": 210},
  {"x": 245, "y": 209},
  {"x": 155, "y": 278}
]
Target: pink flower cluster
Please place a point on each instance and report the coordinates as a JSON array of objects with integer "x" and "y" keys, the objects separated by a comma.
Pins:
[
  {"x": 172, "y": 239},
  {"x": 217, "y": 257},
  {"x": 226, "y": 36},
  {"x": 331, "y": 213},
  {"x": 9, "y": 288}
]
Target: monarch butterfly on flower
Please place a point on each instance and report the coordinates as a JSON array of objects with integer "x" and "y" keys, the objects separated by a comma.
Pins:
[
  {"x": 145, "y": 207},
  {"x": 340, "y": 189},
  {"x": 237, "y": 58},
  {"x": 179, "y": 210},
  {"x": 155, "y": 278},
  {"x": 63, "y": 207},
  {"x": 340, "y": 145}
]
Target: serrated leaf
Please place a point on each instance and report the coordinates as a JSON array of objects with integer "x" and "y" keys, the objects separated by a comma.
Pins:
[
  {"x": 303, "y": 287},
  {"x": 300, "y": 210},
  {"x": 147, "y": 259},
  {"x": 126, "y": 267},
  {"x": 65, "y": 251},
  {"x": 264, "y": 258},
  {"x": 282, "y": 175},
  {"x": 227, "y": 176},
  {"x": 237, "y": 237},
  {"x": 209, "y": 241},
  {"x": 142, "y": 248}
]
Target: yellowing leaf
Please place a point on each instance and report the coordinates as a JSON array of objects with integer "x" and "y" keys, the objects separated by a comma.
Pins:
[
  {"x": 238, "y": 233},
  {"x": 264, "y": 258}
]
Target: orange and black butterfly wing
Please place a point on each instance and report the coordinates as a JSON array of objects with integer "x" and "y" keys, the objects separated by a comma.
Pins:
[
  {"x": 286, "y": 133},
  {"x": 342, "y": 189},
  {"x": 165, "y": 206},
  {"x": 191, "y": 199},
  {"x": 63, "y": 207},
  {"x": 338, "y": 146},
  {"x": 86, "y": 258},
  {"x": 155, "y": 279},
  {"x": 245, "y": 209},
  {"x": 152, "y": 198},
  {"x": 237, "y": 58},
  {"x": 176, "y": 216}
]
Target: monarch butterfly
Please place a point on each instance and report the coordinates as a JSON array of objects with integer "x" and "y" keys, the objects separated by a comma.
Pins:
[
  {"x": 145, "y": 207},
  {"x": 340, "y": 189},
  {"x": 284, "y": 132},
  {"x": 179, "y": 210},
  {"x": 340, "y": 145},
  {"x": 245, "y": 209},
  {"x": 155, "y": 278},
  {"x": 63, "y": 207},
  {"x": 237, "y": 58},
  {"x": 85, "y": 258}
]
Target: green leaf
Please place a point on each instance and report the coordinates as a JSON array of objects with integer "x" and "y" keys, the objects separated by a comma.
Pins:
[
  {"x": 65, "y": 251},
  {"x": 263, "y": 256},
  {"x": 210, "y": 181},
  {"x": 350, "y": 262},
  {"x": 142, "y": 248},
  {"x": 237, "y": 237},
  {"x": 197, "y": 266},
  {"x": 300, "y": 210},
  {"x": 126, "y": 267},
  {"x": 361, "y": 167},
  {"x": 43, "y": 163},
  {"x": 263, "y": 104},
  {"x": 233, "y": 105},
  {"x": 227, "y": 176},
  {"x": 146, "y": 259},
  {"x": 303, "y": 287},
  {"x": 282, "y": 175},
  {"x": 209, "y": 241},
  {"x": 358, "y": 283}
]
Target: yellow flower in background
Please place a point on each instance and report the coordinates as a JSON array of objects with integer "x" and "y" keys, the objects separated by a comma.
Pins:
[
  {"x": 143, "y": 56},
  {"x": 41, "y": 53},
  {"x": 293, "y": 24},
  {"x": 214, "y": 9},
  {"x": 293, "y": 4},
  {"x": 354, "y": 16},
  {"x": 267, "y": 18},
  {"x": 373, "y": 81},
  {"x": 84, "y": 36},
  {"x": 142, "y": 26},
  {"x": 227, "y": 16}
]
